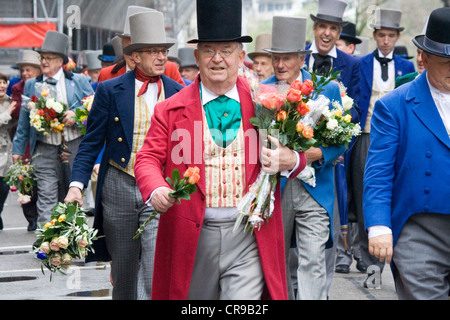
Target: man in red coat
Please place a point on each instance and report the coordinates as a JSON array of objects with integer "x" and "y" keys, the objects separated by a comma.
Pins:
[{"x": 198, "y": 256}]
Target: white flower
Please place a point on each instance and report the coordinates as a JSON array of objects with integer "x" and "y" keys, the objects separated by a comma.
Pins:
[
  {"x": 55, "y": 105},
  {"x": 332, "y": 124},
  {"x": 347, "y": 103}
]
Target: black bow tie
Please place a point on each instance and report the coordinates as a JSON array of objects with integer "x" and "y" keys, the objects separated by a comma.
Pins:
[
  {"x": 51, "y": 81},
  {"x": 322, "y": 64},
  {"x": 384, "y": 65}
]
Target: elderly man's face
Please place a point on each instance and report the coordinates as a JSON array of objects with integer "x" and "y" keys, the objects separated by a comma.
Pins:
[
  {"x": 189, "y": 73},
  {"x": 262, "y": 65},
  {"x": 50, "y": 63},
  {"x": 287, "y": 66},
  {"x": 438, "y": 71},
  {"x": 151, "y": 60},
  {"x": 325, "y": 36},
  {"x": 219, "y": 64},
  {"x": 29, "y": 71}
]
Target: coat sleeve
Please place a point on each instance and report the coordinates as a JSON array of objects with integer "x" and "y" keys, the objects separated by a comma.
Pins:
[{"x": 379, "y": 171}]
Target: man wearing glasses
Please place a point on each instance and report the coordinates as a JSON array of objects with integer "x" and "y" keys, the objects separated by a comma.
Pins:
[
  {"x": 119, "y": 120},
  {"x": 198, "y": 256},
  {"x": 70, "y": 89}
]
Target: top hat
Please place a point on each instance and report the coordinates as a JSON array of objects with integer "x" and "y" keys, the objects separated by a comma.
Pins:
[
  {"x": 331, "y": 11},
  {"x": 174, "y": 52},
  {"x": 29, "y": 58},
  {"x": 187, "y": 57},
  {"x": 117, "y": 45},
  {"x": 146, "y": 30},
  {"x": 108, "y": 54},
  {"x": 55, "y": 42},
  {"x": 387, "y": 18},
  {"x": 92, "y": 60},
  {"x": 219, "y": 21},
  {"x": 288, "y": 35},
  {"x": 436, "y": 39},
  {"x": 349, "y": 34},
  {"x": 402, "y": 51},
  {"x": 130, "y": 11},
  {"x": 262, "y": 41}
]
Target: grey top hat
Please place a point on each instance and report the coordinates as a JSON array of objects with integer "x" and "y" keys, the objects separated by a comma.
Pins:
[
  {"x": 147, "y": 29},
  {"x": 187, "y": 57},
  {"x": 117, "y": 45},
  {"x": 331, "y": 11},
  {"x": 173, "y": 53},
  {"x": 130, "y": 11},
  {"x": 93, "y": 62},
  {"x": 29, "y": 58},
  {"x": 288, "y": 35},
  {"x": 55, "y": 42},
  {"x": 387, "y": 18},
  {"x": 263, "y": 40}
]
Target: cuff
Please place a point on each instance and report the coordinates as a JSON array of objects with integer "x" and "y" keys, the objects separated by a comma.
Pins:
[{"x": 301, "y": 164}]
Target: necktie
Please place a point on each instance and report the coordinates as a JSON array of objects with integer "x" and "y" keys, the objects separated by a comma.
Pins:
[
  {"x": 384, "y": 65},
  {"x": 51, "y": 81},
  {"x": 147, "y": 79},
  {"x": 322, "y": 64}
]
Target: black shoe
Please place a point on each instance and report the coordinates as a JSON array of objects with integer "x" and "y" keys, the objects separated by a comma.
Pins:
[
  {"x": 1, "y": 223},
  {"x": 32, "y": 225},
  {"x": 361, "y": 266},
  {"x": 342, "y": 268},
  {"x": 90, "y": 212}
]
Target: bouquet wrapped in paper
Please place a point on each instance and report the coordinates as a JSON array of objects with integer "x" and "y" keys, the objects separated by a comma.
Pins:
[
  {"x": 65, "y": 237},
  {"x": 20, "y": 178}
]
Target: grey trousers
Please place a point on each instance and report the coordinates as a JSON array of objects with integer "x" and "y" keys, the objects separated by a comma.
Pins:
[
  {"x": 309, "y": 221},
  {"x": 422, "y": 258},
  {"x": 48, "y": 172},
  {"x": 123, "y": 212},
  {"x": 227, "y": 264}
]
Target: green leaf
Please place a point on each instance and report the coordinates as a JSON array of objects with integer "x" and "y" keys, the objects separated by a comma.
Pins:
[
  {"x": 255, "y": 121},
  {"x": 169, "y": 181},
  {"x": 175, "y": 176},
  {"x": 70, "y": 212},
  {"x": 184, "y": 195}
]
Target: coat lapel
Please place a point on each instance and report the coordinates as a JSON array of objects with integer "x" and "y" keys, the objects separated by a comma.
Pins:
[
  {"x": 425, "y": 109},
  {"x": 124, "y": 99},
  {"x": 367, "y": 70}
]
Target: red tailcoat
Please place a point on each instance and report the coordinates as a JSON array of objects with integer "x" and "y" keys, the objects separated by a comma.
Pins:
[{"x": 179, "y": 227}]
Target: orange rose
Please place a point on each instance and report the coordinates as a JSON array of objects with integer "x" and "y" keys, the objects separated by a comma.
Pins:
[
  {"x": 302, "y": 108},
  {"x": 193, "y": 173},
  {"x": 294, "y": 95},
  {"x": 297, "y": 85},
  {"x": 299, "y": 127},
  {"x": 307, "y": 87},
  {"x": 308, "y": 132},
  {"x": 271, "y": 100},
  {"x": 281, "y": 115}
]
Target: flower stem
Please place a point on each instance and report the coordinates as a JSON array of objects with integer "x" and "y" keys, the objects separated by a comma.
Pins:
[{"x": 142, "y": 227}]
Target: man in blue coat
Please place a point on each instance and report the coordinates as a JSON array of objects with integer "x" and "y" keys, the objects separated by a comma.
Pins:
[
  {"x": 119, "y": 121},
  {"x": 65, "y": 87},
  {"x": 378, "y": 72},
  {"x": 307, "y": 211},
  {"x": 406, "y": 187}
]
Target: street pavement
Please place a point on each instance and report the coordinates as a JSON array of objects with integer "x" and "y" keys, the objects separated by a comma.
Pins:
[{"x": 21, "y": 277}]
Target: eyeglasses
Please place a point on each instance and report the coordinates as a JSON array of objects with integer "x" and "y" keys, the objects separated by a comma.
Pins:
[
  {"x": 46, "y": 58},
  {"x": 224, "y": 53},
  {"x": 155, "y": 52}
]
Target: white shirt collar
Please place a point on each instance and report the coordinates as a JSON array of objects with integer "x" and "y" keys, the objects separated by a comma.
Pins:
[
  {"x": 389, "y": 56},
  {"x": 436, "y": 94},
  {"x": 332, "y": 53},
  {"x": 57, "y": 75},
  {"x": 208, "y": 95}
]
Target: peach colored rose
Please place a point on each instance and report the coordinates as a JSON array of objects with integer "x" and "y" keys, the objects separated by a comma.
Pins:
[
  {"x": 281, "y": 115},
  {"x": 302, "y": 108},
  {"x": 294, "y": 95},
  {"x": 271, "y": 100},
  {"x": 308, "y": 132},
  {"x": 307, "y": 87}
]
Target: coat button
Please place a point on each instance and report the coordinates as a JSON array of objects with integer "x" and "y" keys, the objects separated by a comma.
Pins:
[
  {"x": 116, "y": 119},
  {"x": 428, "y": 173},
  {"x": 428, "y": 154},
  {"x": 120, "y": 139},
  {"x": 123, "y": 159},
  {"x": 426, "y": 190}
]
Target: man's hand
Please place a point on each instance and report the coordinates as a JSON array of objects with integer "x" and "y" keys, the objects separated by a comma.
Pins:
[
  {"x": 382, "y": 247},
  {"x": 16, "y": 157},
  {"x": 161, "y": 200},
  {"x": 279, "y": 159},
  {"x": 313, "y": 154},
  {"x": 68, "y": 120},
  {"x": 74, "y": 194}
]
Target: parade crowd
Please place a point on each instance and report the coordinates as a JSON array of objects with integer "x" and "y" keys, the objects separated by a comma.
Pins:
[{"x": 156, "y": 110}]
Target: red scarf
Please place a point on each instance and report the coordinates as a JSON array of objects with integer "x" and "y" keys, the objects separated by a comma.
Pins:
[{"x": 146, "y": 80}]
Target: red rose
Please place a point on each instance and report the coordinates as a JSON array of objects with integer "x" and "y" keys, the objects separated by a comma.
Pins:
[
  {"x": 34, "y": 98},
  {"x": 302, "y": 108},
  {"x": 294, "y": 95},
  {"x": 297, "y": 85},
  {"x": 307, "y": 87}
]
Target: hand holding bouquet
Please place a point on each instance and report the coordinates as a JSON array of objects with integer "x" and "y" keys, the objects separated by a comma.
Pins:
[
  {"x": 20, "y": 178},
  {"x": 182, "y": 189}
]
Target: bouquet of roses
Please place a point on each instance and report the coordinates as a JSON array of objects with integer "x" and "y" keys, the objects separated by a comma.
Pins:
[
  {"x": 182, "y": 189},
  {"x": 81, "y": 114},
  {"x": 66, "y": 237},
  {"x": 46, "y": 114},
  {"x": 20, "y": 178}
]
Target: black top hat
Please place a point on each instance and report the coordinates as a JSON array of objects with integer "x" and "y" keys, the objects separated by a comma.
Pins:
[
  {"x": 219, "y": 21},
  {"x": 349, "y": 34},
  {"x": 108, "y": 53},
  {"x": 437, "y": 38},
  {"x": 402, "y": 51}
]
